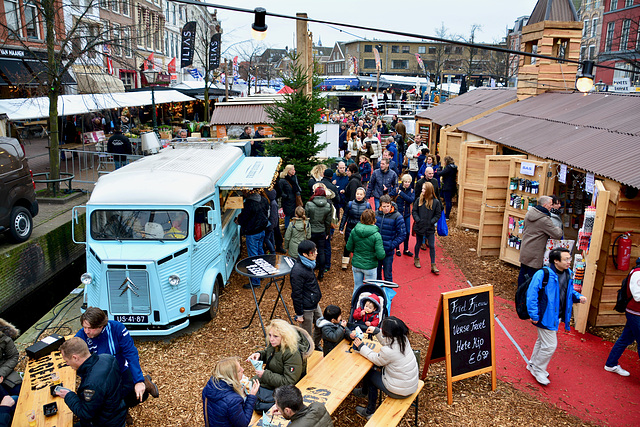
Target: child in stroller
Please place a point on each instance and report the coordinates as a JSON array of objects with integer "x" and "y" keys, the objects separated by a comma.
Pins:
[{"x": 368, "y": 310}]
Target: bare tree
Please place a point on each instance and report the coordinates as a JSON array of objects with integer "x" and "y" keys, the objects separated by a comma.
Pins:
[
  {"x": 248, "y": 53},
  {"x": 210, "y": 72},
  {"x": 470, "y": 65},
  {"x": 441, "y": 54}
]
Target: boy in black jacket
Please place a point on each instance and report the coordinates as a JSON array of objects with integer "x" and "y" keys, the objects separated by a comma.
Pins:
[
  {"x": 334, "y": 329},
  {"x": 305, "y": 290}
]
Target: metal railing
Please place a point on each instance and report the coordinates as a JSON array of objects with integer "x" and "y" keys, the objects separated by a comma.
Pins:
[
  {"x": 407, "y": 108},
  {"x": 88, "y": 166},
  {"x": 64, "y": 177}
]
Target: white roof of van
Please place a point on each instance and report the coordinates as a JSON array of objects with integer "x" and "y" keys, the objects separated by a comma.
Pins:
[{"x": 180, "y": 176}]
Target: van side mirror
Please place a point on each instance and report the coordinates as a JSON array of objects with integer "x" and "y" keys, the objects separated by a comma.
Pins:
[{"x": 210, "y": 218}]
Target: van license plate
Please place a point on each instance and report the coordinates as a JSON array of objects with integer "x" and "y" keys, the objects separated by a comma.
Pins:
[{"x": 131, "y": 318}]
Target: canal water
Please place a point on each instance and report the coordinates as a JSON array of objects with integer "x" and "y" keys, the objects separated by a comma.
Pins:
[{"x": 30, "y": 309}]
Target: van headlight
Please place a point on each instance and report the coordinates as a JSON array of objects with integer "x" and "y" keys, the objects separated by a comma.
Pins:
[
  {"x": 174, "y": 280},
  {"x": 86, "y": 279}
]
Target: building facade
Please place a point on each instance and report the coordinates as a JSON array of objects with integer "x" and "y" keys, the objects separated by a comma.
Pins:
[
  {"x": 514, "y": 40},
  {"x": 590, "y": 13}
]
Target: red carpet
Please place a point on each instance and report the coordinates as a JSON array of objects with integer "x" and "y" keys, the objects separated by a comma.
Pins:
[{"x": 579, "y": 384}]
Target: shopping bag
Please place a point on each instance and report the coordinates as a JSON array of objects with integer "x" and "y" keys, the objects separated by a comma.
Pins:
[{"x": 443, "y": 229}]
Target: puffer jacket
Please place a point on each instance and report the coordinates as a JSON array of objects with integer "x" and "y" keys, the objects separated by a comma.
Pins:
[
  {"x": 319, "y": 213},
  {"x": 223, "y": 407},
  {"x": 305, "y": 290},
  {"x": 366, "y": 244},
  {"x": 9, "y": 354},
  {"x": 399, "y": 371},
  {"x": 538, "y": 228},
  {"x": 391, "y": 228},
  {"x": 298, "y": 231},
  {"x": 286, "y": 367},
  {"x": 381, "y": 179},
  {"x": 546, "y": 310},
  {"x": 314, "y": 415},
  {"x": 448, "y": 175},
  {"x": 425, "y": 219},
  {"x": 352, "y": 216},
  {"x": 406, "y": 197},
  {"x": 332, "y": 334}
]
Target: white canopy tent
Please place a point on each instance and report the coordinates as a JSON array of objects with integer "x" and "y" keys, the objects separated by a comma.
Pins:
[{"x": 68, "y": 105}]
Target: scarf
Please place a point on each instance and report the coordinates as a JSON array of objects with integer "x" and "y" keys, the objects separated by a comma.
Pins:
[{"x": 307, "y": 262}]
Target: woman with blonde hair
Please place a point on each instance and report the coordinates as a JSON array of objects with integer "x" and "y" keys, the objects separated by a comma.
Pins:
[
  {"x": 317, "y": 173},
  {"x": 224, "y": 400},
  {"x": 426, "y": 213},
  {"x": 299, "y": 229}
]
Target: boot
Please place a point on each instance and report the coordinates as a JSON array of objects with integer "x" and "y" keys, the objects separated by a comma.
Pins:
[
  {"x": 416, "y": 262},
  {"x": 434, "y": 269},
  {"x": 150, "y": 387},
  {"x": 345, "y": 262}
]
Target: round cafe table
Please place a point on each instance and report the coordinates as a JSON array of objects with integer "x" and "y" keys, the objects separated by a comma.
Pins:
[{"x": 273, "y": 268}]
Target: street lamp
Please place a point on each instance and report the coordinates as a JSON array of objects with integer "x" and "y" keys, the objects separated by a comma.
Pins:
[{"x": 151, "y": 76}]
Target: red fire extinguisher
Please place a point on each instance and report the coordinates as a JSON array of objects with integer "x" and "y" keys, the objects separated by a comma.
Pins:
[{"x": 622, "y": 259}]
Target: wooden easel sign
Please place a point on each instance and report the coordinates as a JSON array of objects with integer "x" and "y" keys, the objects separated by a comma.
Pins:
[{"x": 463, "y": 336}]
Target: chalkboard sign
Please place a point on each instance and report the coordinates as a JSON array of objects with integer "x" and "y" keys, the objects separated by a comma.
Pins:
[{"x": 463, "y": 335}]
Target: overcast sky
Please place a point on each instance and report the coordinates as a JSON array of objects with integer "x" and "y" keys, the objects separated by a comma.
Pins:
[{"x": 412, "y": 16}]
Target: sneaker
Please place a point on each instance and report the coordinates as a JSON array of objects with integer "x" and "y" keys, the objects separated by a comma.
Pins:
[
  {"x": 408, "y": 253},
  {"x": 618, "y": 370},
  {"x": 362, "y": 411},
  {"x": 357, "y": 392},
  {"x": 546, "y": 374},
  {"x": 398, "y": 253},
  {"x": 150, "y": 386},
  {"x": 541, "y": 378}
]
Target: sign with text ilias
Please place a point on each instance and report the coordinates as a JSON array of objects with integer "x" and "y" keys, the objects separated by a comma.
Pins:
[{"x": 463, "y": 336}]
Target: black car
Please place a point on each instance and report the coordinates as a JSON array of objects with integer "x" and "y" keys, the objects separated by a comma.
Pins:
[{"x": 18, "y": 204}]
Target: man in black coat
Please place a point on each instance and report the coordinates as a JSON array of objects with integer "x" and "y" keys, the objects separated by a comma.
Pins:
[
  {"x": 355, "y": 182},
  {"x": 246, "y": 134},
  {"x": 257, "y": 147},
  {"x": 119, "y": 144},
  {"x": 253, "y": 221},
  {"x": 305, "y": 291},
  {"x": 98, "y": 401}
]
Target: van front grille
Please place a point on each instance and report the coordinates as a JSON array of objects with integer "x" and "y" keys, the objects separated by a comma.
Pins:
[{"x": 129, "y": 291}]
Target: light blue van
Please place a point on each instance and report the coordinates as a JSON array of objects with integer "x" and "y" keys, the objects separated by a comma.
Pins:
[{"x": 161, "y": 236}]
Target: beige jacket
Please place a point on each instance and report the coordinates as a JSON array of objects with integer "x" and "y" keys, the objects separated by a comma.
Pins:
[{"x": 538, "y": 228}]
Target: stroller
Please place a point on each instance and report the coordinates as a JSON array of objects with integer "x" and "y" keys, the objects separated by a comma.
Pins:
[{"x": 383, "y": 290}]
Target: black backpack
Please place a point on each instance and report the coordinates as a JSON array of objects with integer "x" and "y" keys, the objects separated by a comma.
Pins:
[
  {"x": 623, "y": 299},
  {"x": 521, "y": 294}
]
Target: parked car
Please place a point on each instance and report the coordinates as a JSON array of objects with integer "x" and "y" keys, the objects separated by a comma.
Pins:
[{"x": 18, "y": 204}]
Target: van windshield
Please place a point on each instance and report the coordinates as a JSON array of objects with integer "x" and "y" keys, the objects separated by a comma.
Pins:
[{"x": 139, "y": 225}]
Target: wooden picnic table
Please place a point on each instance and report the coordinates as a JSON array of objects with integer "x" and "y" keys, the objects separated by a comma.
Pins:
[
  {"x": 36, "y": 392},
  {"x": 331, "y": 380}
]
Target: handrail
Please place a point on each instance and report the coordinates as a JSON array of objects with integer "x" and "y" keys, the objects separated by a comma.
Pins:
[{"x": 68, "y": 178}]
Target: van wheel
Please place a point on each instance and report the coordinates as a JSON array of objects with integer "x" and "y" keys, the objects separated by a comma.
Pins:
[
  {"x": 21, "y": 224},
  {"x": 215, "y": 301}
]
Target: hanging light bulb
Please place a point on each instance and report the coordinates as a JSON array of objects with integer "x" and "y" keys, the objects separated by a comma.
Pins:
[
  {"x": 584, "y": 82},
  {"x": 259, "y": 26}
]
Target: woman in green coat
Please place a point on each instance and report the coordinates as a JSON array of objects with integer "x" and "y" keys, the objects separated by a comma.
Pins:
[
  {"x": 365, "y": 242},
  {"x": 299, "y": 229}
]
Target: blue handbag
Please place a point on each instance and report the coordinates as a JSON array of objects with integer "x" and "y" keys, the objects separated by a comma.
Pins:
[{"x": 443, "y": 229}]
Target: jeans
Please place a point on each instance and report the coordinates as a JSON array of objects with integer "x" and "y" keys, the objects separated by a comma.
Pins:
[
  {"x": 319, "y": 240},
  {"x": 447, "y": 195},
  {"x": 327, "y": 250},
  {"x": 371, "y": 383},
  {"x": 543, "y": 351},
  {"x": 414, "y": 178},
  {"x": 309, "y": 324},
  {"x": 360, "y": 275},
  {"x": 630, "y": 333},
  {"x": 286, "y": 221},
  {"x": 407, "y": 228},
  {"x": 376, "y": 203},
  {"x": 254, "y": 247},
  {"x": 431, "y": 239},
  {"x": 387, "y": 265},
  {"x": 128, "y": 391},
  {"x": 269, "y": 241}
]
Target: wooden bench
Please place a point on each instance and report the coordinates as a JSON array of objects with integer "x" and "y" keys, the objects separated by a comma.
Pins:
[
  {"x": 391, "y": 411},
  {"x": 313, "y": 360}
]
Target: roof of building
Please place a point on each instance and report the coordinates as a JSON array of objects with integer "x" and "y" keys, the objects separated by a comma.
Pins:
[
  {"x": 472, "y": 103},
  {"x": 598, "y": 133},
  {"x": 553, "y": 10},
  {"x": 244, "y": 111}
]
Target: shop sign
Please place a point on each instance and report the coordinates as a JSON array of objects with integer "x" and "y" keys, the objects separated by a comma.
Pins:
[
  {"x": 562, "y": 175},
  {"x": 622, "y": 84},
  {"x": 527, "y": 168},
  {"x": 12, "y": 52}
]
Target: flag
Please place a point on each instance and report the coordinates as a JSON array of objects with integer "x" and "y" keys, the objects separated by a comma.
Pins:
[
  {"x": 107, "y": 52},
  {"x": 148, "y": 63},
  {"x": 188, "y": 39},
  {"x": 377, "y": 55},
  {"x": 195, "y": 73},
  {"x": 355, "y": 65},
  {"x": 171, "y": 67},
  {"x": 214, "y": 52},
  {"x": 351, "y": 65},
  {"x": 420, "y": 63},
  {"x": 235, "y": 67}
]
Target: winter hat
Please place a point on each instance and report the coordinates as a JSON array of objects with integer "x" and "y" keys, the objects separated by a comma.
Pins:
[
  {"x": 328, "y": 173},
  {"x": 375, "y": 299}
]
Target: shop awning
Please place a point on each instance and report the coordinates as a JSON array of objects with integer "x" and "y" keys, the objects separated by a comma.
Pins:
[
  {"x": 92, "y": 79},
  {"x": 28, "y": 72},
  {"x": 252, "y": 172}
]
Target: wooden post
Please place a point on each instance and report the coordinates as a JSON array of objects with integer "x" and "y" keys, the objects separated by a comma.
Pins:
[
  {"x": 226, "y": 79},
  {"x": 303, "y": 46}
]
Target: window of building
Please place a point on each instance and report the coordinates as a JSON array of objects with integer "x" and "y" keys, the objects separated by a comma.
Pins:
[
  {"x": 11, "y": 13},
  {"x": 458, "y": 50},
  {"x": 128, "y": 78},
  {"x": 559, "y": 49},
  {"x": 126, "y": 42},
  {"x": 117, "y": 41},
  {"x": 369, "y": 63},
  {"x": 609, "y": 40},
  {"x": 395, "y": 49},
  {"x": 624, "y": 36},
  {"x": 32, "y": 24},
  {"x": 174, "y": 14},
  {"x": 405, "y": 49},
  {"x": 585, "y": 28},
  {"x": 422, "y": 49},
  {"x": 368, "y": 48},
  {"x": 594, "y": 26},
  {"x": 92, "y": 34},
  {"x": 592, "y": 52},
  {"x": 379, "y": 47},
  {"x": 124, "y": 7},
  {"x": 628, "y": 3},
  {"x": 432, "y": 50},
  {"x": 614, "y": 5},
  {"x": 447, "y": 49},
  {"x": 400, "y": 65},
  {"x": 104, "y": 4},
  {"x": 583, "y": 52},
  {"x": 114, "y": 6}
]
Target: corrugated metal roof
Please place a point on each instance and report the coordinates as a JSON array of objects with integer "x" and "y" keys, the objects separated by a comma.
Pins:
[
  {"x": 598, "y": 133},
  {"x": 553, "y": 10},
  {"x": 463, "y": 107},
  {"x": 240, "y": 115}
]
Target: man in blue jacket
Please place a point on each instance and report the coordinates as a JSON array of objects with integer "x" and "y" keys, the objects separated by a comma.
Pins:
[
  {"x": 392, "y": 229},
  {"x": 549, "y": 305},
  {"x": 104, "y": 336},
  {"x": 383, "y": 181}
]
